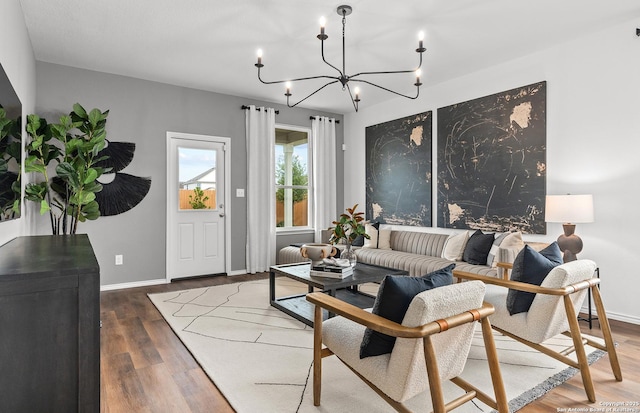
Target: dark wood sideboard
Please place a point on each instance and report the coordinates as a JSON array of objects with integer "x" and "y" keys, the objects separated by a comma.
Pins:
[{"x": 49, "y": 325}]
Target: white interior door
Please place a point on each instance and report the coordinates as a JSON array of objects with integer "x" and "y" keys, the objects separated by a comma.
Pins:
[{"x": 196, "y": 205}]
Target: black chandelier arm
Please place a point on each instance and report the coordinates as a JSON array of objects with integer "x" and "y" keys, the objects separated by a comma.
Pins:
[
  {"x": 389, "y": 72},
  {"x": 342, "y": 77},
  {"x": 325, "y": 60},
  {"x": 384, "y": 73},
  {"x": 354, "y": 101},
  {"x": 313, "y": 93},
  {"x": 389, "y": 90},
  {"x": 266, "y": 82}
]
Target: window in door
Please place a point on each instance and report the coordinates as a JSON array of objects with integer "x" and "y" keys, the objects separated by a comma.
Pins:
[
  {"x": 293, "y": 178},
  {"x": 197, "y": 175}
]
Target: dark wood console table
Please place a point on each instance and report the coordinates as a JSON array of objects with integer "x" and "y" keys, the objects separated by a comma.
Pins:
[{"x": 49, "y": 325}]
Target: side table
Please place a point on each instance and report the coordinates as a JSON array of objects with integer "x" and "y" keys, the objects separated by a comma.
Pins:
[{"x": 591, "y": 318}]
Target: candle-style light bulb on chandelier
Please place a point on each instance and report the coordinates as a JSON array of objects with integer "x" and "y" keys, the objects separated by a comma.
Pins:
[{"x": 342, "y": 76}]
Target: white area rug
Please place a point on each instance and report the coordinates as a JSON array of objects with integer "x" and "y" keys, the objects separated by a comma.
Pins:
[{"x": 260, "y": 358}]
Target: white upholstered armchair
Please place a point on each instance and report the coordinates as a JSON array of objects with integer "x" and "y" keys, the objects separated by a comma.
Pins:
[
  {"x": 553, "y": 311},
  {"x": 432, "y": 345}
]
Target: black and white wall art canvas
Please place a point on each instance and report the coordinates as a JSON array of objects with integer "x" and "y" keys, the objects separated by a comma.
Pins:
[
  {"x": 492, "y": 162},
  {"x": 398, "y": 171}
]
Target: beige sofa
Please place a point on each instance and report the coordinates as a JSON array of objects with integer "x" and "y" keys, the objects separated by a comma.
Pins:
[{"x": 419, "y": 253}]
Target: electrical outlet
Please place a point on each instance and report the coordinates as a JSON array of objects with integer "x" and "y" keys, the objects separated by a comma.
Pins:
[
  {"x": 239, "y": 192},
  {"x": 118, "y": 259}
]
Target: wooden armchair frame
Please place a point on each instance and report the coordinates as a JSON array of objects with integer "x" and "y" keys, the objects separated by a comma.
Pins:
[
  {"x": 424, "y": 332},
  {"x": 574, "y": 328}
]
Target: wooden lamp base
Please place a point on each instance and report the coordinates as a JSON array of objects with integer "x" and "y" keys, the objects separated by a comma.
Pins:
[{"x": 570, "y": 244}]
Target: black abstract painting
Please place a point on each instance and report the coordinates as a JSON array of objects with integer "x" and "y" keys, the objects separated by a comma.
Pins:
[
  {"x": 398, "y": 171},
  {"x": 492, "y": 162}
]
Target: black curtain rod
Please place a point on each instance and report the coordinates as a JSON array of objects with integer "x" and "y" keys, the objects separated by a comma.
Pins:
[
  {"x": 313, "y": 117},
  {"x": 245, "y": 107}
]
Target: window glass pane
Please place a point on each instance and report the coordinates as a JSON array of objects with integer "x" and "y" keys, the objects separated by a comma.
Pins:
[
  {"x": 197, "y": 176},
  {"x": 289, "y": 212},
  {"x": 292, "y": 178}
]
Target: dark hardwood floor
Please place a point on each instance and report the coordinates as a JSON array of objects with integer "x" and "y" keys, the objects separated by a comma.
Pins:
[{"x": 145, "y": 367}]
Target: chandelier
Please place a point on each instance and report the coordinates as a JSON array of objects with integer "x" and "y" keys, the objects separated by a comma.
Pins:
[{"x": 342, "y": 76}]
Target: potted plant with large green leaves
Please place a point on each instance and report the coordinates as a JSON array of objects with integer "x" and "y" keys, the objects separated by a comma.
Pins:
[
  {"x": 347, "y": 228},
  {"x": 74, "y": 146},
  {"x": 10, "y": 160}
]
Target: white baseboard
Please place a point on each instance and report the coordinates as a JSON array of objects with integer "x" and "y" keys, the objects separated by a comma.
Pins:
[
  {"x": 148, "y": 283},
  {"x": 613, "y": 316},
  {"x": 134, "y": 284},
  {"x": 237, "y": 272},
  {"x": 624, "y": 318}
]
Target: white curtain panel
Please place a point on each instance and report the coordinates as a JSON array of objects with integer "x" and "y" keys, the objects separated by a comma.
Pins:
[
  {"x": 323, "y": 144},
  {"x": 261, "y": 226}
]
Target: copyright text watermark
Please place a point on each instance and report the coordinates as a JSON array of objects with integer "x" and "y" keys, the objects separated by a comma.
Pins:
[{"x": 604, "y": 407}]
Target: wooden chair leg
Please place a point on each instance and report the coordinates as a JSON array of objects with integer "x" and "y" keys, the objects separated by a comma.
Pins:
[
  {"x": 433, "y": 373},
  {"x": 578, "y": 344},
  {"x": 606, "y": 332},
  {"x": 502, "y": 404},
  {"x": 317, "y": 355}
]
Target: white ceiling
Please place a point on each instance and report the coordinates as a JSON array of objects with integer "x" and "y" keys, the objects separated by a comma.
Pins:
[{"x": 211, "y": 44}]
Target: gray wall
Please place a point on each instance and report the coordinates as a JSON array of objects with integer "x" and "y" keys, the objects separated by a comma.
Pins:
[
  {"x": 142, "y": 112},
  {"x": 288, "y": 239}
]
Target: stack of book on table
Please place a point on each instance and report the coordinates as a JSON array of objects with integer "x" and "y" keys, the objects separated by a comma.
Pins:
[{"x": 331, "y": 271}]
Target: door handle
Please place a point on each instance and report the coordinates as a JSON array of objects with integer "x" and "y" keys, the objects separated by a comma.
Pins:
[{"x": 222, "y": 215}]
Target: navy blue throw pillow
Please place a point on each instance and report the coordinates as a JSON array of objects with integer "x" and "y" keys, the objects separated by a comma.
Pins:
[
  {"x": 359, "y": 241},
  {"x": 392, "y": 302},
  {"x": 531, "y": 267},
  {"x": 478, "y": 248},
  {"x": 375, "y": 225}
]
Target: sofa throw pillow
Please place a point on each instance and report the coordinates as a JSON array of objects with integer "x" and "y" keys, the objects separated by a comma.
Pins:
[
  {"x": 477, "y": 248},
  {"x": 493, "y": 251},
  {"x": 359, "y": 241},
  {"x": 510, "y": 246},
  {"x": 384, "y": 239},
  {"x": 509, "y": 240},
  {"x": 531, "y": 267},
  {"x": 392, "y": 302},
  {"x": 513, "y": 241},
  {"x": 371, "y": 229},
  {"x": 454, "y": 246}
]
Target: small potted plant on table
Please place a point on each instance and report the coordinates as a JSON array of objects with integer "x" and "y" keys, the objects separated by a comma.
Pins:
[{"x": 347, "y": 228}]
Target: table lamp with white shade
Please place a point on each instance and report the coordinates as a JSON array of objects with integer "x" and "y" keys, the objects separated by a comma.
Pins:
[{"x": 569, "y": 210}]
